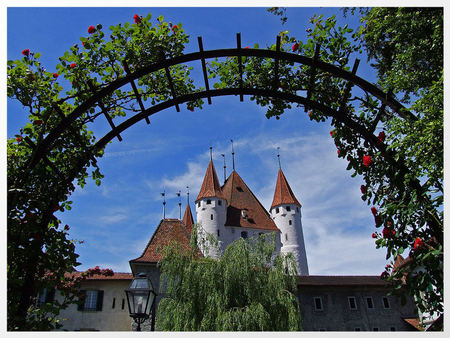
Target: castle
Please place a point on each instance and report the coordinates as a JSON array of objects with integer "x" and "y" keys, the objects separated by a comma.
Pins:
[{"x": 232, "y": 211}]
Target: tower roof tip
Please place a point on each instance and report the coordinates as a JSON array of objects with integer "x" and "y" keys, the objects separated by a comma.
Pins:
[
  {"x": 210, "y": 186},
  {"x": 283, "y": 192}
]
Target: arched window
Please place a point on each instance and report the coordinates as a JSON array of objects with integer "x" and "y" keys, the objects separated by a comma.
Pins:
[{"x": 212, "y": 217}]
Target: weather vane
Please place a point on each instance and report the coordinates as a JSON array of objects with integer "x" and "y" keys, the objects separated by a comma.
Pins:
[
  {"x": 232, "y": 151},
  {"x": 224, "y": 168},
  {"x": 279, "y": 162},
  {"x": 163, "y": 194}
]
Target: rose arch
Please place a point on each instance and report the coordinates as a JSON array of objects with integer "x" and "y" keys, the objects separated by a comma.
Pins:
[{"x": 116, "y": 77}]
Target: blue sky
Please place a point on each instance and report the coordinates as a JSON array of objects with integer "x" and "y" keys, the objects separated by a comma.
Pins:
[{"x": 117, "y": 219}]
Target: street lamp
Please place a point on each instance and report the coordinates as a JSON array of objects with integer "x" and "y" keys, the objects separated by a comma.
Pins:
[{"x": 141, "y": 300}]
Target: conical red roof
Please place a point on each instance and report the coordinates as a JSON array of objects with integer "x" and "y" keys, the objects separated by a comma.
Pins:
[
  {"x": 241, "y": 198},
  {"x": 188, "y": 220},
  {"x": 210, "y": 186},
  {"x": 283, "y": 193}
]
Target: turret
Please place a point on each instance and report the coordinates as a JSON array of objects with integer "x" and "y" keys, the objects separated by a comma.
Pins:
[
  {"x": 211, "y": 209},
  {"x": 286, "y": 213}
]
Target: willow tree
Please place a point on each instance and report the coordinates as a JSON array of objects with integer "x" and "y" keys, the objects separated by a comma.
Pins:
[{"x": 247, "y": 289}]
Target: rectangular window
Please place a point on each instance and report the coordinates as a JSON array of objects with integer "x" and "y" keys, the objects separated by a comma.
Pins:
[
  {"x": 198, "y": 204},
  {"x": 219, "y": 202},
  {"x": 123, "y": 303},
  {"x": 290, "y": 222},
  {"x": 285, "y": 236},
  {"x": 93, "y": 300},
  {"x": 288, "y": 208},
  {"x": 114, "y": 303},
  {"x": 297, "y": 209},
  {"x": 45, "y": 296},
  {"x": 369, "y": 302},
  {"x": 218, "y": 233},
  {"x": 277, "y": 210},
  {"x": 352, "y": 303},
  {"x": 386, "y": 304},
  {"x": 208, "y": 201},
  {"x": 212, "y": 217},
  {"x": 318, "y": 304}
]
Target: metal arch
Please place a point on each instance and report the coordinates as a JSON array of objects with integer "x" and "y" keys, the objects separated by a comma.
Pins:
[{"x": 386, "y": 99}]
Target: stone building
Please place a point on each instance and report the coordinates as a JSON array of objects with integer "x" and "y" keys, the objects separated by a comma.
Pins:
[{"x": 230, "y": 212}]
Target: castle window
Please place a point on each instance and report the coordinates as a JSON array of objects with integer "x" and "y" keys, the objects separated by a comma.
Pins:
[
  {"x": 218, "y": 233},
  {"x": 386, "y": 303},
  {"x": 123, "y": 303},
  {"x": 288, "y": 208},
  {"x": 369, "y": 302},
  {"x": 285, "y": 236},
  {"x": 93, "y": 300},
  {"x": 212, "y": 217},
  {"x": 290, "y": 222},
  {"x": 198, "y": 204},
  {"x": 114, "y": 303},
  {"x": 318, "y": 304},
  {"x": 45, "y": 297},
  {"x": 277, "y": 210},
  {"x": 297, "y": 209},
  {"x": 219, "y": 202},
  {"x": 244, "y": 234},
  {"x": 352, "y": 303},
  {"x": 208, "y": 201}
]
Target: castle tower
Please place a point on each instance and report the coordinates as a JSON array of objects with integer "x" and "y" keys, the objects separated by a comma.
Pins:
[
  {"x": 211, "y": 209},
  {"x": 286, "y": 212},
  {"x": 188, "y": 220}
]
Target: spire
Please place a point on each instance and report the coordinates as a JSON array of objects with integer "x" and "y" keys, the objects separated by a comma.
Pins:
[
  {"x": 210, "y": 186},
  {"x": 179, "y": 201},
  {"x": 163, "y": 194},
  {"x": 283, "y": 193},
  {"x": 224, "y": 168},
  {"x": 188, "y": 220},
  {"x": 279, "y": 162},
  {"x": 232, "y": 152}
]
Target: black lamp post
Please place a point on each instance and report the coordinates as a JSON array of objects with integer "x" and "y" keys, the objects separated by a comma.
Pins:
[{"x": 141, "y": 300}]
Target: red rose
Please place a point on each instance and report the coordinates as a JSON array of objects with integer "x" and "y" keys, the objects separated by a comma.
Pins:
[
  {"x": 246, "y": 47},
  {"x": 363, "y": 189},
  {"x": 367, "y": 160},
  {"x": 73, "y": 65},
  {"x": 418, "y": 243},
  {"x": 388, "y": 266},
  {"x": 66, "y": 227},
  {"x": 295, "y": 47},
  {"x": 331, "y": 133},
  {"x": 374, "y": 211},
  {"x": 281, "y": 86},
  {"x": 338, "y": 152},
  {"x": 19, "y": 139},
  {"x": 191, "y": 108},
  {"x": 37, "y": 122},
  {"x": 83, "y": 42},
  {"x": 137, "y": 19},
  {"x": 55, "y": 75},
  {"x": 388, "y": 233},
  {"x": 174, "y": 28},
  {"x": 381, "y": 136},
  {"x": 26, "y": 52},
  {"x": 374, "y": 235},
  {"x": 91, "y": 29}
]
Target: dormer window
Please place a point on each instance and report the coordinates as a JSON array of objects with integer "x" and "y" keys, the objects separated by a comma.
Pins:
[{"x": 243, "y": 214}]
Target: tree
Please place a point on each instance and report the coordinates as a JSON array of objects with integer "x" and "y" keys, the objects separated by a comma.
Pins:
[{"x": 247, "y": 289}]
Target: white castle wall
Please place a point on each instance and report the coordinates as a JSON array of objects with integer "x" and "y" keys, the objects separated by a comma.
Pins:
[
  {"x": 290, "y": 224},
  {"x": 211, "y": 217}
]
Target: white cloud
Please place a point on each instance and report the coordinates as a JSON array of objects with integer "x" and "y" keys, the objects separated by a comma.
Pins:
[{"x": 113, "y": 218}]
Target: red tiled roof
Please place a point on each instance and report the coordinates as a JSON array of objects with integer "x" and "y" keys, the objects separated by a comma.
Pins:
[
  {"x": 116, "y": 276},
  {"x": 188, "y": 220},
  {"x": 414, "y": 322},
  {"x": 239, "y": 198},
  {"x": 210, "y": 186},
  {"x": 167, "y": 231},
  {"x": 316, "y": 280},
  {"x": 283, "y": 193}
]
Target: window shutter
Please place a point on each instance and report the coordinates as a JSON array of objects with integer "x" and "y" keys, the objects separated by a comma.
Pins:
[
  {"x": 100, "y": 300},
  {"x": 81, "y": 304}
]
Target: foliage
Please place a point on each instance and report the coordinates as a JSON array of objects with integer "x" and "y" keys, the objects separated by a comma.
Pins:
[
  {"x": 247, "y": 289},
  {"x": 403, "y": 167},
  {"x": 37, "y": 244}
]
